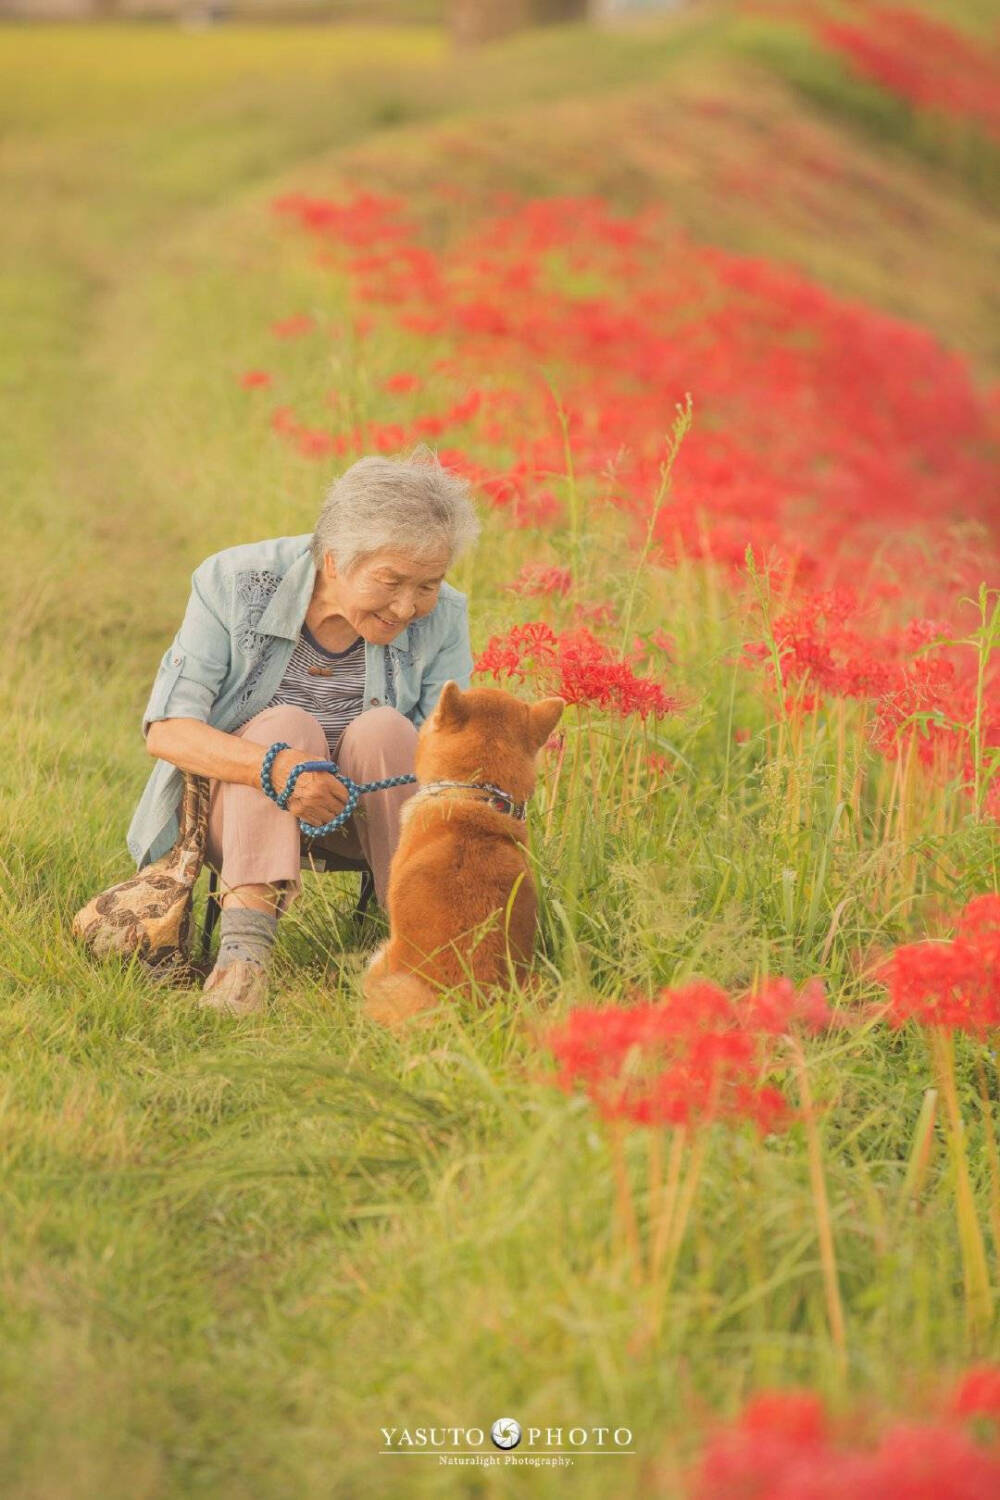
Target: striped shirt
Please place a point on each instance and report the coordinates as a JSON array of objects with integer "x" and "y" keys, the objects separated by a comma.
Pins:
[{"x": 336, "y": 694}]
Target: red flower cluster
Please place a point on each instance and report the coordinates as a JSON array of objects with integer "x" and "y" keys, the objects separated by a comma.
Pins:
[
  {"x": 783, "y": 1447},
  {"x": 922, "y": 60},
  {"x": 955, "y": 985},
  {"x": 293, "y": 327},
  {"x": 537, "y": 578},
  {"x": 403, "y": 381},
  {"x": 575, "y": 666},
  {"x": 978, "y": 1393},
  {"x": 846, "y": 444},
  {"x": 692, "y": 1055},
  {"x": 825, "y": 422},
  {"x": 827, "y": 641}
]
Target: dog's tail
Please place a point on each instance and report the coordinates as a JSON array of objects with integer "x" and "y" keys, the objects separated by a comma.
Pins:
[{"x": 395, "y": 999}]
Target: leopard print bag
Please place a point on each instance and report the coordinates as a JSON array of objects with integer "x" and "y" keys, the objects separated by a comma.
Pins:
[{"x": 149, "y": 915}]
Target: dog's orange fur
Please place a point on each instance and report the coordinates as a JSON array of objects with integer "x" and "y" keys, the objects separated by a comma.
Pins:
[{"x": 460, "y": 862}]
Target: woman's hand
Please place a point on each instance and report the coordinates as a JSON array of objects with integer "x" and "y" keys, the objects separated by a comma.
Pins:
[{"x": 317, "y": 796}]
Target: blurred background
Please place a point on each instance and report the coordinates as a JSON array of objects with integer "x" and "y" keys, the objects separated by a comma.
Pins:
[
  {"x": 243, "y": 242},
  {"x": 479, "y": 16},
  {"x": 469, "y": 19}
]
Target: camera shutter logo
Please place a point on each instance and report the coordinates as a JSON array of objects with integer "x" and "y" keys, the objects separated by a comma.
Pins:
[{"x": 505, "y": 1432}]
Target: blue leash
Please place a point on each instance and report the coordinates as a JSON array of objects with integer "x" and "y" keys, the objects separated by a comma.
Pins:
[{"x": 354, "y": 788}]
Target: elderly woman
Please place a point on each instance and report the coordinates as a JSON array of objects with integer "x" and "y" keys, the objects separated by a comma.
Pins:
[{"x": 337, "y": 643}]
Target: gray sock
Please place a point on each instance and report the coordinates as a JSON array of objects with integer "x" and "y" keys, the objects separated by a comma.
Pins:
[{"x": 247, "y": 934}]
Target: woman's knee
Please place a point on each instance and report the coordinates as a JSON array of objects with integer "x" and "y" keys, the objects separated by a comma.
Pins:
[
  {"x": 287, "y": 721},
  {"x": 382, "y": 724},
  {"x": 380, "y": 734}
]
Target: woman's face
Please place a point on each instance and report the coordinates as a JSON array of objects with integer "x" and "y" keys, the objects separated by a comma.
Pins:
[{"x": 387, "y": 591}]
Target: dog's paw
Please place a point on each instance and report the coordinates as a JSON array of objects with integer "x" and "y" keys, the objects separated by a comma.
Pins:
[{"x": 397, "y": 1000}]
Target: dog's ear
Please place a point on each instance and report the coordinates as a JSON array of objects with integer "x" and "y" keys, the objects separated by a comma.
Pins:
[
  {"x": 450, "y": 708},
  {"x": 543, "y": 717}
]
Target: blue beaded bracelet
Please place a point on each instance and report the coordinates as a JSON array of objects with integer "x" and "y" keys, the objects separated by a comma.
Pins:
[
  {"x": 354, "y": 789},
  {"x": 265, "y": 773}
]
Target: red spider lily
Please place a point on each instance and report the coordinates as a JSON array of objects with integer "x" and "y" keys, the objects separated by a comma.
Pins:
[
  {"x": 666, "y": 643},
  {"x": 823, "y": 642},
  {"x": 430, "y": 425},
  {"x": 764, "y": 1461},
  {"x": 504, "y": 655},
  {"x": 462, "y": 411},
  {"x": 978, "y": 1393},
  {"x": 776, "y": 1006},
  {"x": 290, "y": 328},
  {"x": 576, "y": 666},
  {"x": 922, "y": 60},
  {"x": 801, "y": 705},
  {"x": 589, "y": 673},
  {"x": 387, "y": 437},
  {"x": 772, "y": 353},
  {"x": 541, "y": 509},
  {"x": 283, "y": 420},
  {"x": 846, "y": 445},
  {"x": 255, "y": 379},
  {"x": 599, "y": 614},
  {"x": 953, "y": 985},
  {"x": 799, "y": 1415},
  {"x": 660, "y": 765},
  {"x": 692, "y": 1055},
  {"x": 404, "y": 381},
  {"x": 537, "y": 578},
  {"x": 979, "y": 924},
  {"x": 314, "y": 443}
]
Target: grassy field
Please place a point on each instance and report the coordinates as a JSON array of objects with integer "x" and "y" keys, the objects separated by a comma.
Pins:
[{"x": 231, "y": 1254}]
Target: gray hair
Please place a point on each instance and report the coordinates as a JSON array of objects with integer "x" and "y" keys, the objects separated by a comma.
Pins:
[{"x": 412, "y": 505}]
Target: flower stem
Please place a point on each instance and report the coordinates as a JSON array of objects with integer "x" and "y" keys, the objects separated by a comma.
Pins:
[
  {"x": 668, "y": 1200},
  {"x": 978, "y": 1296},
  {"x": 992, "y": 1153},
  {"x": 682, "y": 423},
  {"x": 920, "y": 1155},
  {"x": 834, "y": 1307},
  {"x": 626, "y": 1208},
  {"x": 678, "y": 1225}
]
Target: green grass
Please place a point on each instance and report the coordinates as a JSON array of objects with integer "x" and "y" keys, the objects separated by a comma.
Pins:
[{"x": 230, "y": 1254}]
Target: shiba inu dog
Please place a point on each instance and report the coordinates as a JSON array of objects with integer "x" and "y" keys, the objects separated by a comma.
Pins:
[{"x": 461, "y": 898}]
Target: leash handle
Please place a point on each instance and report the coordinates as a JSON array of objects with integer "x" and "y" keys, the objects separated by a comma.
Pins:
[{"x": 354, "y": 788}]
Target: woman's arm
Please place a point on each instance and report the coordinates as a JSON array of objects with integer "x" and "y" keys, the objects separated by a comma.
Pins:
[
  {"x": 175, "y": 727},
  {"x": 196, "y": 664},
  {"x": 191, "y": 745}
]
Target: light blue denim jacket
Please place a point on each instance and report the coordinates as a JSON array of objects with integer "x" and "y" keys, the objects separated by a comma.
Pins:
[{"x": 242, "y": 621}]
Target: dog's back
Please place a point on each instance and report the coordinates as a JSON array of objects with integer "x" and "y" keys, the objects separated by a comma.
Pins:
[{"x": 461, "y": 898}]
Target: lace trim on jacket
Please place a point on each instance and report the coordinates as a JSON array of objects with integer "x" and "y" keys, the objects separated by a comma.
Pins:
[{"x": 254, "y": 589}]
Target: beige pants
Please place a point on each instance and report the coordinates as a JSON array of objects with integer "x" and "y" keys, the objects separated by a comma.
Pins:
[{"x": 253, "y": 841}]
